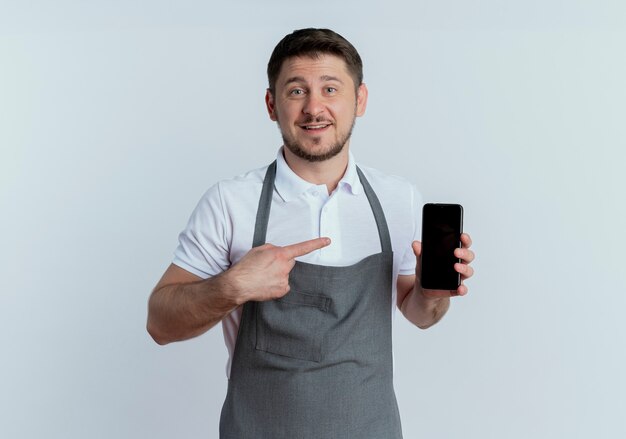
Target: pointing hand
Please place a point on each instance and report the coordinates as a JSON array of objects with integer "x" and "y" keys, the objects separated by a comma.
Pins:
[{"x": 263, "y": 273}]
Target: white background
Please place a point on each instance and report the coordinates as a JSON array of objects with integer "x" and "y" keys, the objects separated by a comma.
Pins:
[{"x": 116, "y": 116}]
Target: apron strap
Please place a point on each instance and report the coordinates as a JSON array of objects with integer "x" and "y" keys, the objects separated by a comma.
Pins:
[
  {"x": 379, "y": 215},
  {"x": 265, "y": 204}
]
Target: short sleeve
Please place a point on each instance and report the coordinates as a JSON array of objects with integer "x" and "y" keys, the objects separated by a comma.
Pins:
[
  {"x": 203, "y": 246},
  {"x": 408, "y": 262}
]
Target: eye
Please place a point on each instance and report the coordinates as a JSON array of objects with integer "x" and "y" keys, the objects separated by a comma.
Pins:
[
  {"x": 331, "y": 90},
  {"x": 296, "y": 92}
]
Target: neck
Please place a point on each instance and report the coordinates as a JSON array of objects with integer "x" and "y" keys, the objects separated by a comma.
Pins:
[{"x": 327, "y": 172}]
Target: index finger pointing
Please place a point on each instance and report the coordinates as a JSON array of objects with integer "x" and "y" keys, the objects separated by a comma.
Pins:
[{"x": 305, "y": 247}]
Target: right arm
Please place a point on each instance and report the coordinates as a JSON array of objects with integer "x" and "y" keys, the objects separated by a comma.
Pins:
[{"x": 182, "y": 305}]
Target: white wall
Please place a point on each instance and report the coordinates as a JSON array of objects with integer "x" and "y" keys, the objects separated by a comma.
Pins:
[{"x": 116, "y": 116}]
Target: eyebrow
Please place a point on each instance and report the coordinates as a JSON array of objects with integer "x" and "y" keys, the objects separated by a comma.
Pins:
[{"x": 301, "y": 79}]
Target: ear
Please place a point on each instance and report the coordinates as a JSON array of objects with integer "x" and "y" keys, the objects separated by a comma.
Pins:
[
  {"x": 269, "y": 103},
  {"x": 361, "y": 99}
]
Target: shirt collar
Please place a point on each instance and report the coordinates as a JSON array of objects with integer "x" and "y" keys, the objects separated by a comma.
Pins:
[
  {"x": 350, "y": 180},
  {"x": 290, "y": 186}
]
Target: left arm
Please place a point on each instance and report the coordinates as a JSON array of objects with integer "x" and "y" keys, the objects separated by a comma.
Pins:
[{"x": 424, "y": 307}]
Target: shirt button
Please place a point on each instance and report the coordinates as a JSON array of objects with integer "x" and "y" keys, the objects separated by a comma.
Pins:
[{"x": 315, "y": 193}]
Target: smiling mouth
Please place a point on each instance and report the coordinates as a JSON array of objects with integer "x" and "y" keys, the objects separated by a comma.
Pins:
[{"x": 314, "y": 127}]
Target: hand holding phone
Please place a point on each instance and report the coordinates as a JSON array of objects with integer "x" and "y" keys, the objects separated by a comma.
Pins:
[{"x": 442, "y": 225}]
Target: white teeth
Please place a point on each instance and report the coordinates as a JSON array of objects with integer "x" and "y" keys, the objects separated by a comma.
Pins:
[{"x": 315, "y": 127}]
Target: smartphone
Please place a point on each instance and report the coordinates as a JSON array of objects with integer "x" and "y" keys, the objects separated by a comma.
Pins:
[{"x": 442, "y": 225}]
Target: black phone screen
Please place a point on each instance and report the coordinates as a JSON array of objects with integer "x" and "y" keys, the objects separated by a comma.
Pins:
[{"x": 442, "y": 225}]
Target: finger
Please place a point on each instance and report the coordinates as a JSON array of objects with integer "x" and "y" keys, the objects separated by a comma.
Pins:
[
  {"x": 466, "y": 240},
  {"x": 466, "y": 254},
  {"x": 306, "y": 247},
  {"x": 464, "y": 269},
  {"x": 417, "y": 248},
  {"x": 461, "y": 290}
]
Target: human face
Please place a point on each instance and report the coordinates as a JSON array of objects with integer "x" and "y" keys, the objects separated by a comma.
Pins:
[{"x": 315, "y": 105}]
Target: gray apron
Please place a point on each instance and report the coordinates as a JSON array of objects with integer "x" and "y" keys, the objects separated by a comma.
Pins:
[{"x": 317, "y": 363}]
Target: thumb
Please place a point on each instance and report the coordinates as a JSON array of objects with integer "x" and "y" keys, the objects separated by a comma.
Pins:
[{"x": 417, "y": 248}]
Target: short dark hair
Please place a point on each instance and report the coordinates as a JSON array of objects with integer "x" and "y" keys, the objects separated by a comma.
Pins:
[{"x": 313, "y": 43}]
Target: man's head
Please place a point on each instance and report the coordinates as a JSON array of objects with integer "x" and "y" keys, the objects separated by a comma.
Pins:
[
  {"x": 312, "y": 43},
  {"x": 315, "y": 92}
]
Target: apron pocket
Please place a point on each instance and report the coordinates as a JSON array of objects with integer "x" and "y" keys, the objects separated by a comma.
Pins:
[{"x": 292, "y": 326}]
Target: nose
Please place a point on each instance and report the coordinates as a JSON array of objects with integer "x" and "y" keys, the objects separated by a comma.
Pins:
[{"x": 314, "y": 104}]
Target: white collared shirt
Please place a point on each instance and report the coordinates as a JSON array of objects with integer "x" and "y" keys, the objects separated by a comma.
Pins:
[{"x": 220, "y": 230}]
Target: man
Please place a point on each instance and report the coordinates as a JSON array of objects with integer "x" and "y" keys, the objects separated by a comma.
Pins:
[{"x": 303, "y": 261}]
